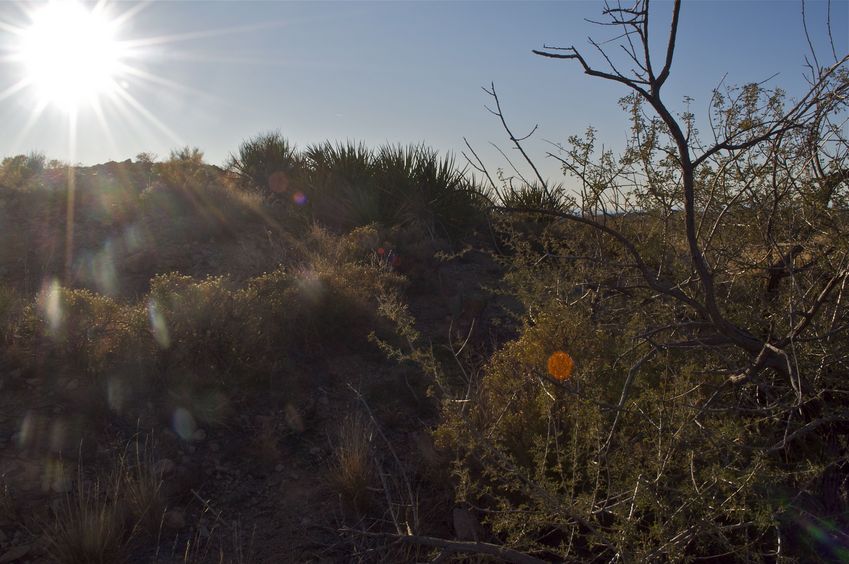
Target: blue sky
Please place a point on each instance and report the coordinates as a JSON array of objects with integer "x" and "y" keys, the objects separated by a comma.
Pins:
[{"x": 398, "y": 72}]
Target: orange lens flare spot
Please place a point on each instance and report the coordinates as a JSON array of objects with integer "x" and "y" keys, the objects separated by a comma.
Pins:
[{"x": 560, "y": 366}]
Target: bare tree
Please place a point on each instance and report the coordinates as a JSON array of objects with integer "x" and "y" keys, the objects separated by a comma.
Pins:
[
  {"x": 763, "y": 155},
  {"x": 729, "y": 255}
]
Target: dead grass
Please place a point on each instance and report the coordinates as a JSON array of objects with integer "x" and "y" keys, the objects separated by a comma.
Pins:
[
  {"x": 219, "y": 547},
  {"x": 89, "y": 527},
  {"x": 142, "y": 487},
  {"x": 352, "y": 467}
]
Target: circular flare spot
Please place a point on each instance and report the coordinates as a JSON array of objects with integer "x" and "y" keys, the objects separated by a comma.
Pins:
[{"x": 560, "y": 366}]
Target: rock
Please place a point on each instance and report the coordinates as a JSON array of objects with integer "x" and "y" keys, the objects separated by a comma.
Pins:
[
  {"x": 175, "y": 519},
  {"x": 14, "y": 554},
  {"x": 199, "y": 435}
]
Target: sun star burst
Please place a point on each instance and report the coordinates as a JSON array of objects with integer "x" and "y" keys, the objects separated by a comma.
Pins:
[{"x": 71, "y": 54}]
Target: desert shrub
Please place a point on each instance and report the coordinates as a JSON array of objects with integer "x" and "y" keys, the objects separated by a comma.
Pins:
[
  {"x": 11, "y": 305},
  {"x": 594, "y": 476},
  {"x": 325, "y": 301},
  {"x": 19, "y": 171},
  {"x": 267, "y": 164},
  {"x": 184, "y": 168},
  {"x": 195, "y": 323},
  {"x": 646, "y": 450},
  {"x": 311, "y": 310},
  {"x": 82, "y": 331}
]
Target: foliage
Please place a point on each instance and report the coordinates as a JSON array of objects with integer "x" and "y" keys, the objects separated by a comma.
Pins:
[
  {"x": 424, "y": 188},
  {"x": 81, "y": 330},
  {"x": 699, "y": 287},
  {"x": 351, "y": 471},
  {"x": 533, "y": 196},
  {"x": 184, "y": 168},
  {"x": 20, "y": 170},
  {"x": 267, "y": 164},
  {"x": 89, "y": 527},
  {"x": 349, "y": 185},
  {"x": 341, "y": 186}
]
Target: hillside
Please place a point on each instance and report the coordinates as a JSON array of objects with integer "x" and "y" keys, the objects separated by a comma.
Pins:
[{"x": 238, "y": 407}]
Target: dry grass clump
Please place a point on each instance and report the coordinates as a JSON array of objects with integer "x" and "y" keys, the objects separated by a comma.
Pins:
[
  {"x": 89, "y": 527},
  {"x": 219, "y": 547},
  {"x": 352, "y": 468},
  {"x": 142, "y": 484},
  {"x": 96, "y": 522}
]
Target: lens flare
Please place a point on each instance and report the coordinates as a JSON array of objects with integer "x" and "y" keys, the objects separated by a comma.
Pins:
[
  {"x": 560, "y": 366},
  {"x": 158, "y": 325},
  {"x": 50, "y": 305},
  {"x": 183, "y": 423}
]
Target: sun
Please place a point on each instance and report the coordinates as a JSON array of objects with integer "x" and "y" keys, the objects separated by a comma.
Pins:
[{"x": 71, "y": 54}]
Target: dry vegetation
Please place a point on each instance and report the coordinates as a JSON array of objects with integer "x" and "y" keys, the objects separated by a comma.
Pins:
[{"x": 345, "y": 354}]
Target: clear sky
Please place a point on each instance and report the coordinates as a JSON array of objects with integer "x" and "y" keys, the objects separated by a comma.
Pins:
[{"x": 210, "y": 74}]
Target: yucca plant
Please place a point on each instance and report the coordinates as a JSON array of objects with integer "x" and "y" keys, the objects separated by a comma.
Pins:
[
  {"x": 424, "y": 188},
  {"x": 267, "y": 164},
  {"x": 534, "y": 197},
  {"x": 342, "y": 187}
]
